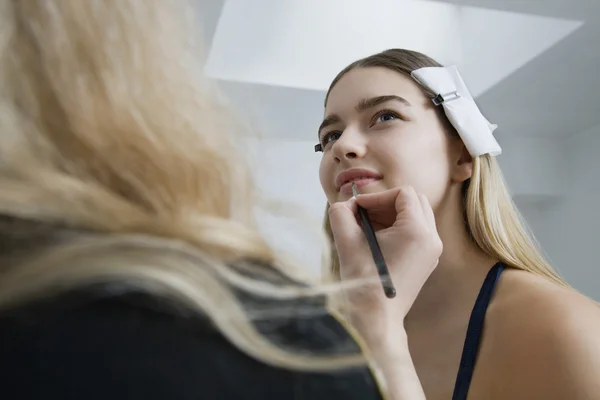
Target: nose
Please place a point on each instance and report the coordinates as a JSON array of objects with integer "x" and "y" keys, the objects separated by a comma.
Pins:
[{"x": 350, "y": 145}]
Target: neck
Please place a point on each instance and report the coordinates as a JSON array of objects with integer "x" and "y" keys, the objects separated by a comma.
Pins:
[{"x": 454, "y": 285}]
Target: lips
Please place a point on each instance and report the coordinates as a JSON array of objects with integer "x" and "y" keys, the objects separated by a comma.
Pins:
[{"x": 361, "y": 177}]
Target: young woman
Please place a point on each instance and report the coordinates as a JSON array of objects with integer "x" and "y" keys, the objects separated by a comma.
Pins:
[
  {"x": 492, "y": 319},
  {"x": 130, "y": 264}
]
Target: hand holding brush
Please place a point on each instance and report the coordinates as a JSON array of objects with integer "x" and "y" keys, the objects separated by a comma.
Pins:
[{"x": 404, "y": 227}]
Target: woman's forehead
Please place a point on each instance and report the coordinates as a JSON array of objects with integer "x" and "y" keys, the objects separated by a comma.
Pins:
[{"x": 364, "y": 83}]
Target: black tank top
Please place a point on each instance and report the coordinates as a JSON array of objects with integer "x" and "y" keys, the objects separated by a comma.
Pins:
[{"x": 469, "y": 354}]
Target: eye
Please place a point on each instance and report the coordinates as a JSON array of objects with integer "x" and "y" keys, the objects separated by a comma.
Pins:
[
  {"x": 330, "y": 137},
  {"x": 384, "y": 116}
]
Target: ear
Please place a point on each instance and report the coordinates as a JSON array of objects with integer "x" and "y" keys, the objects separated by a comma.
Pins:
[{"x": 462, "y": 168}]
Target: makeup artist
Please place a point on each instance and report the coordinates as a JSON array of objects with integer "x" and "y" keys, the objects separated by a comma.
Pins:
[
  {"x": 492, "y": 318},
  {"x": 130, "y": 263}
]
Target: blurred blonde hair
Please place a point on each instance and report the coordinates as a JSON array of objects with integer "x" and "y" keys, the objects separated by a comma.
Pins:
[
  {"x": 491, "y": 215},
  {"x": 110, "y": 132}
]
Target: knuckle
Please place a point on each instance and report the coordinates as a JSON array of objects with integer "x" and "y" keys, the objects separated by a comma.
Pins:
[
  {"x": 406, "y": 191},
  {"x": 437, "y": 245},
  {"x": 406, "y": 196}
]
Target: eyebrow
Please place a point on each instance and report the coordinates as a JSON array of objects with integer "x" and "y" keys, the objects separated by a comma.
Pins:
[{"x": 363, "y": 105}]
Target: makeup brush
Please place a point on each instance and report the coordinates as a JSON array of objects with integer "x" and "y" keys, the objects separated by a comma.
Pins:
[{"x": 382, "y": 269}]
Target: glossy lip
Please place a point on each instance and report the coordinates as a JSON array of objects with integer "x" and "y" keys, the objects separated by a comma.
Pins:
[{"x": 354, "y": 175}]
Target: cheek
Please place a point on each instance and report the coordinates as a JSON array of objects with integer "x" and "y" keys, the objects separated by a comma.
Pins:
[
  {"x": 433, "y": 178},
  {"x": 422, "y": 164}
]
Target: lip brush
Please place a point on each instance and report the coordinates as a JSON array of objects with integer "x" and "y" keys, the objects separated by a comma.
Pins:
[{"x": 382, "y": 269}]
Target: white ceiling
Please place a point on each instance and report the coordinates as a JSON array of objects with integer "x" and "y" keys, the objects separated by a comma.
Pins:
[{"x": 534, "y": 63}]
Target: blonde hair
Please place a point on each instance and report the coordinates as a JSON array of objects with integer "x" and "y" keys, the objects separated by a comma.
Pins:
[
  {"x": 113, "y": 141},
  {"x": 492, "y": 218}
]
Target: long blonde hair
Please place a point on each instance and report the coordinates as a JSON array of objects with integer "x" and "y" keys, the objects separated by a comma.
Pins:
[
  {"x": 112, "y": 140},
  {"x": 492, "y": 218}
]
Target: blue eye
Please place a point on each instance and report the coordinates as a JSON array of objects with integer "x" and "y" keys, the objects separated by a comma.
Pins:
[{"x": 385, "y": 117}]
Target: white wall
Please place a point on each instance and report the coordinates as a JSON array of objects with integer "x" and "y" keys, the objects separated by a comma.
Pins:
[
  {"x": 555, "y": 183},
  {"x": 287, "y": 171},
  {"x": 568, "y": 228}
]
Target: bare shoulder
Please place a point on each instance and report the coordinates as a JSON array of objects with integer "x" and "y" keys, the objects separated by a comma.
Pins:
[{"x": 542, "y": 340}]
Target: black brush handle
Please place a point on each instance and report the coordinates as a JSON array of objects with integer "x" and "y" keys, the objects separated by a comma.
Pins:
[{"x": 382, "y": 269}]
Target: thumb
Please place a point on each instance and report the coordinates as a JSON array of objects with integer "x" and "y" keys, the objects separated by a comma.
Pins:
[{"x": 344, "y": 226}]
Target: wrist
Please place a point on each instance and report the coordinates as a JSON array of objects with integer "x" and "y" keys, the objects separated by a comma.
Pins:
[
  {"x": 391, "y": 346},
  {"x": 393, "y": 362},
  {"x": 380, "y": 333}
]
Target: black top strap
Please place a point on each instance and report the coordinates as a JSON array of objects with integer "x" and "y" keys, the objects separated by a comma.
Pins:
[{"x": 474, "y": 330}]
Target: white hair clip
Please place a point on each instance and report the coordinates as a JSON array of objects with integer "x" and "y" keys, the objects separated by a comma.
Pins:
[{"x": 474, "y": 129}]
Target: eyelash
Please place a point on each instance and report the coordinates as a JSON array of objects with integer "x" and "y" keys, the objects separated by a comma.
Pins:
[{"x": 383, "y": 112}]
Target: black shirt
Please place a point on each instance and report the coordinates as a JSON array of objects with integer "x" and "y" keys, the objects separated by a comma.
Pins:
[{"x": 130, "y": 346}]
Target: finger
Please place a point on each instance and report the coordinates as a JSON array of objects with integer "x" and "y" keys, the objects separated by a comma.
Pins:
[
  {"x": 408, "y": 206},
  {"x": 351, "y": 203},
  {"x": 380, "y": 200},
  {"x": 427, "y": 211},
  {"x": 407, "y": 199},
  {"x": 344, "y": 225},
  {"x": 399, "y": 199}
]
